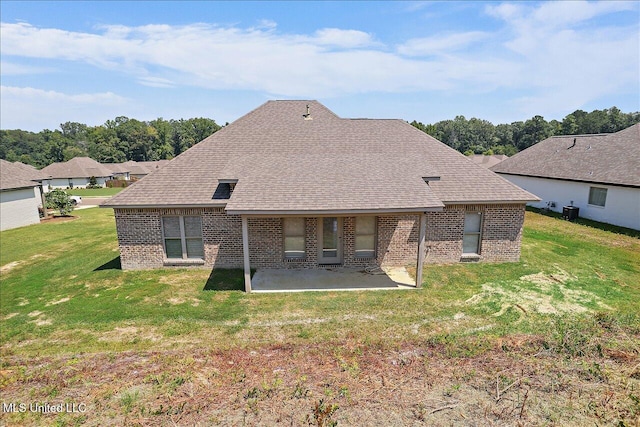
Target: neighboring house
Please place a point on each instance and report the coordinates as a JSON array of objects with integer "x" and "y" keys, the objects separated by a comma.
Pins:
[
  {"x": 20, "y": 195},
  {"x": 119, "y": 170},
  {"x": 134, "y": 170},
  {"x": 75, "y": 173},
  {"x": 488, "y": 161},
  {"x": 145, "y": 168},
  {"x": 292, "y": 185},
  {"x": 599, "y": 174}
]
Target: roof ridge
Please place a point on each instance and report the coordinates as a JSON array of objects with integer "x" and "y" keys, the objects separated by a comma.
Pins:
[{"x": 583, "y": 135}]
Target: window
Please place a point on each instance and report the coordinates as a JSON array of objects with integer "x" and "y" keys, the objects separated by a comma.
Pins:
[
  {"x": 365, "y": 237},
  {"x": 183, "y": 237},
  {"x": 597, "y": 196},
  {"x": 294, "y": 246},
  {"x": 471, "y": 236}
]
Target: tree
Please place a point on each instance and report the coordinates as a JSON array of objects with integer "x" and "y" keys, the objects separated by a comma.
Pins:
[{"x": 58, "y": 199}]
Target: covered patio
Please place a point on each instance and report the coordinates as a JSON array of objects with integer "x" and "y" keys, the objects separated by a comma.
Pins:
[{"x": 331, "y": 279}]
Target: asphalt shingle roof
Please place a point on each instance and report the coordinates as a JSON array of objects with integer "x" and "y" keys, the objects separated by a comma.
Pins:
[
  {"x": 17, "y": 175},
  {"x": 284, "y": 162},
  {"x": 488, "y": 161},
  {"x": 612, "y": 158},
  {"x": 78, "y": 167}
]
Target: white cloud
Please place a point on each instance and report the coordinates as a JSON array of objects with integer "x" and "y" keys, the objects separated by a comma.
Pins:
[
  {"x": 27, "y": 107},
  {"x": 567, "y": 61},
  {"x": 13, "y": 69},
  {"x": 342, "y": 38},
  {"x": 441, "y": 44},
  {"x": 552, "y": 51}
]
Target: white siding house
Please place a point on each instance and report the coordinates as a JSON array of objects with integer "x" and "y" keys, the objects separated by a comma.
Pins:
[
  {"x": 77, "y": 182},
  {"x": 75, "y": 173},
  {"x": 621, "y": 204},
  {"x": 599, "y": 174},
  {"x": 19, "y": 196}
]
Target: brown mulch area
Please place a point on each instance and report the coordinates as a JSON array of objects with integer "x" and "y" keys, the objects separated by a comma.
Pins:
[
  {"x": 350, "y": 384},
  {"x": 57, "y": 218}
]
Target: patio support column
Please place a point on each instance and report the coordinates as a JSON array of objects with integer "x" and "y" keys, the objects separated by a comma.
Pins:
[
  {"x": 245, "y": 251},
  {"x": 421, "y": 243}
]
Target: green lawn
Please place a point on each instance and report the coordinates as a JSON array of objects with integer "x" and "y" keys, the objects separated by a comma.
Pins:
[
  {"x": 96, "y": 192},
  {"x": 61, "y": 284}
]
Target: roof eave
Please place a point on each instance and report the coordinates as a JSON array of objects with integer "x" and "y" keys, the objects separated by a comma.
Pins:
[
  {"x": 491, "y": 202},
  {"x": 615, "y": 184},
  {"x": 331, "y": 212},
  {"x": 156, "y": 206},
  {"x": 20, "y": 187}
]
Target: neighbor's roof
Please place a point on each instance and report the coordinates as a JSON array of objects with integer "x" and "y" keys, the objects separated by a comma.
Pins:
[
  {"x": 17, "y": 175},
  {"x": 612, "y": 158},
  {"x": 285, "y": 163},
  {"x": 135, "y": 168},
  {"x": 78, "y": 167},
  {"x": 488, "y": 161}
]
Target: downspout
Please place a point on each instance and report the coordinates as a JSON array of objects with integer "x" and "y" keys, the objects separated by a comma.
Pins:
[
  {"x": 245, "y": 253},
  {"x": 421, "y": 244}
]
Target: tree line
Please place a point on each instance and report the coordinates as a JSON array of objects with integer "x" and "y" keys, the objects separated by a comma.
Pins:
[
  {"x": 476, "y": 136},
  {"x": 116, "y": 141},
  {"x": 125, "y": 139}
]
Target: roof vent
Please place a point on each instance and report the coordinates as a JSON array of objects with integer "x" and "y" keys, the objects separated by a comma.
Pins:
[
  {"x": 430, "y": 178},
  {"x": 308, "y": 115}
]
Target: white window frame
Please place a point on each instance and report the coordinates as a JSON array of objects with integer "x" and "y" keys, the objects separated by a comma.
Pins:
[
  {"x": 598, "y": 190},
  {"x": 291, "y": 254},
  {"x": 183, "y": 237},
  {"x": 374, "y": 235},
  {"x": 472, "y": 233}
]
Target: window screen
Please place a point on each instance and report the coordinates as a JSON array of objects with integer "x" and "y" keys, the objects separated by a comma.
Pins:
[
  {"x": 471, "y": 236},
  {"x": 294, "y": 243},
  {"x": 597, "y": 196},
  {"x": 365, "y": 237},
  {"x": 183, "y": 237}
]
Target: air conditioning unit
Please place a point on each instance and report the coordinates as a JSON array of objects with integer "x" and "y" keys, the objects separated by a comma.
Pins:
[{"x": 570, "y": 213}]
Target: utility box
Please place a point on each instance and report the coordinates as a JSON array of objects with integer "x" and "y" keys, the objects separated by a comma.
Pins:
[{"x": 570, "y": 213}]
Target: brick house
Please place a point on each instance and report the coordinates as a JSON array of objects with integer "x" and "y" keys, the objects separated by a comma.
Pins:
[{"x": 292, "y": 185}]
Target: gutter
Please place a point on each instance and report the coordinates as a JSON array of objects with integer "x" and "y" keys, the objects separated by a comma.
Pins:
[
  {"x": 107, "y": 205},
  {"x": 570, "y": 180}
]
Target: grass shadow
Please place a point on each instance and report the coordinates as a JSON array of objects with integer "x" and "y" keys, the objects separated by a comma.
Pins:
[
  {"x": 590, "y": 223},
  {"x": 225, "y": 279},
  {"x": 114, "y": 264}
]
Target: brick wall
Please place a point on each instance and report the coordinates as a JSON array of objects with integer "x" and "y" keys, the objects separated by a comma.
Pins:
[
  {"x": 397, "y": 239},
  {"x": 139, "y": 238},
  {"x": 141, "y": 246},
  {"x": 501, "y": 233},
  {"x": 222, "y": 239}
]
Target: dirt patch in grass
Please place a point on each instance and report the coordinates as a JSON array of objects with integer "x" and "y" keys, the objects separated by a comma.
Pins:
[
  {"x": 10, "y": 266},
  {"x": 130, "y": 334},
  {"x": 60, "y": 301},
  {"x": 42, "y": 321},
  {"x": 541, "y": 292},
  {"x": 516, "y": 382}
]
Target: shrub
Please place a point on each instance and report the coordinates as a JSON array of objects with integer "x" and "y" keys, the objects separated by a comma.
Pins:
[
  {"x": 93, "y": 183},
  {"x": 58, "y": 199}
]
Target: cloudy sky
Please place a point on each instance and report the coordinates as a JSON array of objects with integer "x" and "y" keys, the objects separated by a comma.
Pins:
[{"x": 92, "y": 61}]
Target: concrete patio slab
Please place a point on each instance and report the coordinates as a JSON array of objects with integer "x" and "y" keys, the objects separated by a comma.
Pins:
[{"x": 331, "y": 279}]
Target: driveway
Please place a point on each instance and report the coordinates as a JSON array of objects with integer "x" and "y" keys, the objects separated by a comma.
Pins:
[{"x": 91, "y": 202}]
